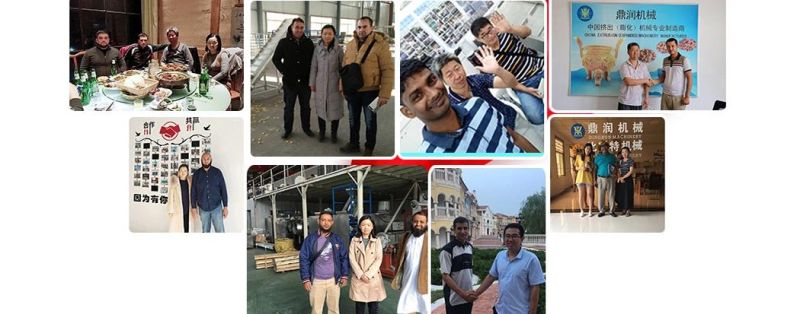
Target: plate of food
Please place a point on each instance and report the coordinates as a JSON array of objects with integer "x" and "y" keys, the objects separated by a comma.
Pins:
[
  {"x": 161, "y": 93},
  {"x": 173, "y": 79}
]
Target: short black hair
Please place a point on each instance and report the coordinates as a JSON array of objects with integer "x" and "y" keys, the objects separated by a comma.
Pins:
[
  {"x": 289, "y": 30},
  {"x": 631, "y": 45},
  {"x": 672, "y": 40},
  {"x": 477, "y": 24},
  {"x": 143, "y": 34},
  {"x": 358, "y": 228},
  {"x": 460, "y": 220},
  {"x": 97, "y": 34},
  {"x": 325, "y": 212},
  {"x": 517, "y": 226},
  {"x": 408, "y": 68},
  {"x": 366, "y": 18}
]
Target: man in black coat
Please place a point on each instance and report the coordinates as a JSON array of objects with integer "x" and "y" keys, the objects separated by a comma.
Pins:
[{"x": 293, "y": 59}]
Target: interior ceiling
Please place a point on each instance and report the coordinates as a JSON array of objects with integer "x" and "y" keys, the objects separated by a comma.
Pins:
[
  {"x": 653, "y": 127},
  {"x": 381, "y": 179}
]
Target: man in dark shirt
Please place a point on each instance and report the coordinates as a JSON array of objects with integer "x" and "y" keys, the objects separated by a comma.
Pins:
[
  {"x": 138, "y": 57},
  {"x": 210, "y": 195},
  {"x": 293, "y": 59},
  {"x": 102, "y": 56}
]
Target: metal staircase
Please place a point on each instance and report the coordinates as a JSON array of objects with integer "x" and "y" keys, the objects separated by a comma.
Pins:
[{"x": 258, "y": 65}]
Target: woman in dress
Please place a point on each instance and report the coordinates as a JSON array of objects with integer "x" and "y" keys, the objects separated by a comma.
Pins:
[
  {"x": 625, "y": 182},
  {"x": 584, "y": 178}
]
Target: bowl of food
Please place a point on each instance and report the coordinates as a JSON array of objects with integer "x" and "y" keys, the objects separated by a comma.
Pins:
[
  {"x": 174, "y": 67},
  {"x": 173, "y": 79}
]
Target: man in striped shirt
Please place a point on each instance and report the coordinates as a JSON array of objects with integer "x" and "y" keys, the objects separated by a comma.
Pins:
[
  {"x": 505, "y": 41},
  {"x": 472, "y": 127}
]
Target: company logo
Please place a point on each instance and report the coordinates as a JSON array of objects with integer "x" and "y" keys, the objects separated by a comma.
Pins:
[
  {"x": 578, "y": 131},
  {"x": 585, "y": 13},
  {"x": 169, "y": 131}
]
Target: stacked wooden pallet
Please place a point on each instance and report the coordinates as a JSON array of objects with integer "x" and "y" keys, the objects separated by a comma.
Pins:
[
  {"x": 264, "y": 261},
  {"x": 287, "y": 263}
]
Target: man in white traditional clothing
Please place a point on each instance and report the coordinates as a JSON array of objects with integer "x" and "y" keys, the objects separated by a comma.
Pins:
[{"x": 412, "y": 268}]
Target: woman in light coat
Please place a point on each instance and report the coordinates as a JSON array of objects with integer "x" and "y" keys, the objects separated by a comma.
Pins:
[
  {"x": 326, "y": 82},
  {"x": 366, "y": 287},
  {"x": 178, "y": 199}
]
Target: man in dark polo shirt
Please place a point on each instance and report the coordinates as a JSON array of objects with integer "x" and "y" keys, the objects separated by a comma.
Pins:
[{"x": 456, "y": 265}]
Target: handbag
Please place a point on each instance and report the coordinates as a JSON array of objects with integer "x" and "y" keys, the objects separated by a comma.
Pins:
[{"x": 351, "y": 73}]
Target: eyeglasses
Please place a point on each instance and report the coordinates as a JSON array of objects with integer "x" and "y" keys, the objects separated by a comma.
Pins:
[
  {"x": 513, "y": 236},
  {"x": 488, "y": 32}
]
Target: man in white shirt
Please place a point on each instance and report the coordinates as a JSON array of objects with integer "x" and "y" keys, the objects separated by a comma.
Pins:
[
  {"x": 412, "y": 268},
  {"x": 676, "y": 76},
  {"x": 636, "y": 81}
]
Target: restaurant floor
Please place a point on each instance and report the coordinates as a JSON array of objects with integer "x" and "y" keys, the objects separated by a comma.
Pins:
[
  {"x": 282, "y": 293},
  {"x": 267, "y": 127}
]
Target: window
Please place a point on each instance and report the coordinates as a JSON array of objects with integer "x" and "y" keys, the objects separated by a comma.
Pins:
[
  {"x": 347, "y": 27},
  {"x": 439, "y": 175},
  {"x": 440, "y": 199},
  {"x": 560, "y": 157},
  {"x": 317, "y": 23},
  {"x": 274, "y": 20},
  {"x": 121, "y": 19}
]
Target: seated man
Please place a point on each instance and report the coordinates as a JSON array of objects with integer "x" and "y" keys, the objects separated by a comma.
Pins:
[
  {"x": 462, "y": 86},
  {"x": 472, "y": 127},
  {"x": 138, "y": 57},
  {"x": 102, "y": 57},
  {"x": 526, "y": 65},
  {"x": 177, "y": 52}
]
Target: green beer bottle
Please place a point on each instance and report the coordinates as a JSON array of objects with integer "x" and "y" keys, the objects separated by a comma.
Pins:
[
  {"x": 204, "y": 82},
  {"x": 93, "y": 82},
  {"x": 86, "y": 91},
  {"x": 113, "y": 66}
]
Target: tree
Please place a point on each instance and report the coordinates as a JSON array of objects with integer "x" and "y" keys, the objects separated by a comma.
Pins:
[{"x": 533, "y": 213}]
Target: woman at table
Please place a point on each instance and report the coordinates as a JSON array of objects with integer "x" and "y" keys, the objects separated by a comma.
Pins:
[
  {"x": 178, "y": 202},
  {"x": 584, "y": 178},
  {"x": 326, "y": 83},
  {"x": 228, "y": 66},
  {"x": 213, "y": 46},
  {"x": 366, "y": 284}
]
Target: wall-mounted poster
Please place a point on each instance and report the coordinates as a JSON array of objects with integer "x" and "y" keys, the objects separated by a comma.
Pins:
[{"x": 601, "y": 33}]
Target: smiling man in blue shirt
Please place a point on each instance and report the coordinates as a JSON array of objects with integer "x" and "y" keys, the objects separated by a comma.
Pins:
[
  {"x": 519, "y": 272},
  {"x": 210, "y": 195},
  {"x": 470, "y": 127}
]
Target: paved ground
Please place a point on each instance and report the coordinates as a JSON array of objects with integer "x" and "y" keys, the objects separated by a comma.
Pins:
[
  {"x": 267, "y": 127},
  {"x": 483, "y": 304}
]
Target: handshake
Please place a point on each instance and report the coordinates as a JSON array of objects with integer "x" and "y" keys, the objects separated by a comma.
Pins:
[
  {"x": 470, "y": 296},
  {"x": 650, "y": 82}
]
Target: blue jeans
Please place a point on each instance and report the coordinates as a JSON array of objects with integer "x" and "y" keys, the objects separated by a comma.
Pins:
[
  {"x": 532, "y": 106},
  {"x": 212, "y": 216},
  {"x": 356, "y": 103},
  {"x": 290, "y": 95}
]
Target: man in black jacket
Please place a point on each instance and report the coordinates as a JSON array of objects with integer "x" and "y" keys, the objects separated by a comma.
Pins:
[{"x": 293, "y": 59}]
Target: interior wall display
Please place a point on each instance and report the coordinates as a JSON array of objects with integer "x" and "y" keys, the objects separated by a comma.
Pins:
[
  {"x": 433, "y": 27},
  {"x": 601, "y": 32},
  {"x": 159, "y": 150}
]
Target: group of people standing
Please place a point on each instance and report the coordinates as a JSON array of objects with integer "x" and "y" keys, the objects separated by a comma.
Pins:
[
  {"x": 612, "y": 176},
  {"x": 315, "y": 67},
  {"x": 675, "y": 75},
  {"x": 518, "y": 270},
  {"x": 202, "y": 195},
  {"x": 326, "y": 264},
  {"x": 459, "y": 111}
]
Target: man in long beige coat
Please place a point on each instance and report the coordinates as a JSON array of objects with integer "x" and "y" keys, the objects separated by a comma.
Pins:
[
  {"x": 377, "y": 72},
  {"x": 412, "y": 269}
]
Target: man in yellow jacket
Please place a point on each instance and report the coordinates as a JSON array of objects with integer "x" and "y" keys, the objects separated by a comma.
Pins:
[{"x": 377, "y": 72}]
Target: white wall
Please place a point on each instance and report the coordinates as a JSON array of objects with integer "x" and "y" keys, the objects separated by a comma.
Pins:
[
  {"x": 226, "y": 150},
  {"x": 711, "y": 58}
]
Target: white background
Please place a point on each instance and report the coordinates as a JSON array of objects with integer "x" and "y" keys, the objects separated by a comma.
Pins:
[{"x": 731, "y": 218}]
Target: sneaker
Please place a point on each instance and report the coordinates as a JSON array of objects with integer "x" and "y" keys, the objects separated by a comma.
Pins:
[
  {"x": 349, "y": 148},
  {"x": 583, "y": 214},
  {"x": 627, "y": 213},
  {"x": 309, "y": 133},
  {"x": 286, "y": 135},
  {"x": 601, "y": 214},
  {"x": 613, "y": 214}
]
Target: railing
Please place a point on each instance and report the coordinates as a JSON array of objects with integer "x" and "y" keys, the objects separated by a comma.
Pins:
[
  {"x": 534, "y": 239},
  {"x": 285, "y": 176}
]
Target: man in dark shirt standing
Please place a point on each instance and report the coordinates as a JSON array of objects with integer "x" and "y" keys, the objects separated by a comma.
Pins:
[
  {"x": 210, "y": 195},
  {"x": 293, "y": 59}
]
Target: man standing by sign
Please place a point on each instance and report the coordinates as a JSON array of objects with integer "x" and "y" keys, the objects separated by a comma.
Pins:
[
  {"x": 636, "y": 81},
  {"x": 605, "y": 162},
  {"x": 676, "y": 76},
  {"x": 210, "y": 194}
]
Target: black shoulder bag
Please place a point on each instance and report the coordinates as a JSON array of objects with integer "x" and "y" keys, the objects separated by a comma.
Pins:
[{"x": 351, "y": 73}]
